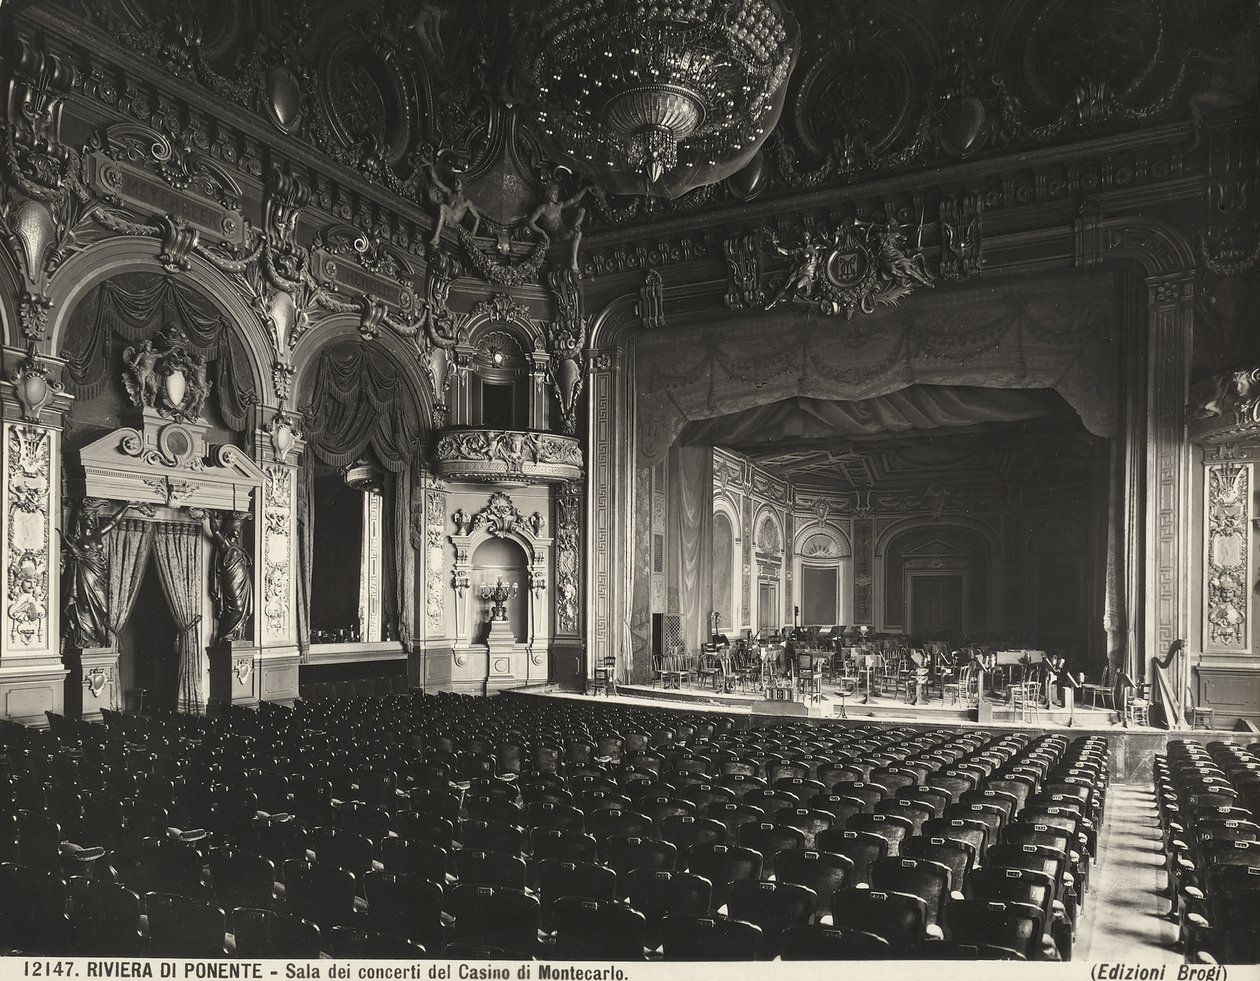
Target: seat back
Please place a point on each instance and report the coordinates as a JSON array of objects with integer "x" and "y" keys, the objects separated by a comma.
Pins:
[
  {"x": 708, "y": 938},
  {"x": 899, "y": 918},
  {"x": 928, "y": 880},
  {"x": 1014, "y": 926}
]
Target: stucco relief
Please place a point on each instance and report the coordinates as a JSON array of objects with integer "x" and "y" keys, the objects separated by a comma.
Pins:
[
  {"x": 435, "y": 523},
  {"x": 27, "y": 536},
  {"x": 1226, "y": 554},
  {"x": 278, "y": 550}
]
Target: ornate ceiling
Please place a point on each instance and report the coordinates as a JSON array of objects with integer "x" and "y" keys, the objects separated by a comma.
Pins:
[{"x": 412, "y": 93}]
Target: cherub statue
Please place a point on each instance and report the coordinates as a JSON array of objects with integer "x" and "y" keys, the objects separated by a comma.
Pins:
[
  {"x": 198, "y": 388},
  {"x": 548, "y": 219},
  {"x": 143, "y": 383},
  {"x": 452, "y": 204},
  {"x": 800, "y": 281}
]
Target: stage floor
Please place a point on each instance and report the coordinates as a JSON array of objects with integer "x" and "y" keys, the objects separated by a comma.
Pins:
[{"x": 992, "y": 710}]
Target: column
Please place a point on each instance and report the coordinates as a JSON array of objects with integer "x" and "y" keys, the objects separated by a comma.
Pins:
[
  {"x": 610, "y": 436},
  {"x": 1170, "y": 312},
  {"x": 275, "y": 624}
]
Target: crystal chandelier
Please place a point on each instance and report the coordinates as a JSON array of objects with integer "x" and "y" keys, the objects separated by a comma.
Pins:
[{"x": 660, "y": 98}]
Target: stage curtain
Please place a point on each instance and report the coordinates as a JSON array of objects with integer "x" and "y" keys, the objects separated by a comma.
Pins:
[
  {"x": 135, "y": 307},
  {"x": 1054, "y": 333},
  {"x": 691, "y": 538},
  {"x": 920, "y": 408},
  {"x": 128, "y": 552},
  {"x": 178, "y": 551},
  {"x": 305, "y": 545},
  {"x": 397, "y": 580},
  {"x": 360, "y": 400}
]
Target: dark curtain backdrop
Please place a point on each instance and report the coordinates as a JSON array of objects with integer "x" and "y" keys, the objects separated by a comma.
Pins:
[
  {"x": 133, "y": 308},
  {"x": 690, "y": 509},
  {"x": 359, "y": 399},
  {"x": 919, "y": 408}
]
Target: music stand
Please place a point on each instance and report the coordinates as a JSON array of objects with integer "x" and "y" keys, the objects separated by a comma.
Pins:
[{"x": 868, "y": 662}]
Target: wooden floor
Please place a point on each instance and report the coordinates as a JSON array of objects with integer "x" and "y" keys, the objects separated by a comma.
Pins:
[{"x": 1125, "y": 917}]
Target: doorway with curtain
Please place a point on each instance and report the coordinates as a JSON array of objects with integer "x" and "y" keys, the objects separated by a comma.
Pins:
[
  {"x": 148, "y": 648},
  {"x": 157, "y": 583}
]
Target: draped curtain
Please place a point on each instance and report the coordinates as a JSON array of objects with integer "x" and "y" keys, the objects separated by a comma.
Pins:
[
  {"x": 1054, "y": 333},
  {"x": 404, "y": 557},
  {"x": 178, "y": 551},
  {"x": 134, "y": 307},
  {"x": 691, "y": 530},
  {"x": 359, "y": 399},
  {"x": 305, "y": 544},
  {"x": 918, "y": 408},
  {"x": 129, "y": 548}
]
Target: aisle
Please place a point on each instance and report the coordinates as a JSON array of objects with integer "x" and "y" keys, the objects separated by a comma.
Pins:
[{"x": 1124, "y": 914}]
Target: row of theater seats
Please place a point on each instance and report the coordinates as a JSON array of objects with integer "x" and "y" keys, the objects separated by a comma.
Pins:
[
  {"x": 1209, "y": 803},
  {"x": 464, "y": 827}
]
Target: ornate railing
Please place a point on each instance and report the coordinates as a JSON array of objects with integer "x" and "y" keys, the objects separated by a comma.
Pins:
[{"x": 507, "y": 455}]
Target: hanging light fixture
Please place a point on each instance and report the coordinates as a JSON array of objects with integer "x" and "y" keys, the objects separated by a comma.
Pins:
[{"x": 660, "y": 98}]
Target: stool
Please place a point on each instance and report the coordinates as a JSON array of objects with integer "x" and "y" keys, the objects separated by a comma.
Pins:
[{"x": 1201, "y": 718}]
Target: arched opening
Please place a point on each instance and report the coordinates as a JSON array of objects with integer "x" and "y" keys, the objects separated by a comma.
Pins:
[
  {"x": 936, "y": 584},
  {"x": 723, "y": 572},
  {"x": 824, "y": 565},
  {"x": 495, "y": 559}
]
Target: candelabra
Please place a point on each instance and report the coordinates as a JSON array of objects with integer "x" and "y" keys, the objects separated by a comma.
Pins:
[{"x": 498, "y": 594}]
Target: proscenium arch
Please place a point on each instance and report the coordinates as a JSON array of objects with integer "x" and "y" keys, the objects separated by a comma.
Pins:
[{"x": 136, "y": 253}]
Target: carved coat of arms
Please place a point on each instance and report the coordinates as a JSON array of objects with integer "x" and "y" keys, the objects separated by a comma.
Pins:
[
  {"x": 163, "y": 374},
  {"x": 857, "y": 266}
]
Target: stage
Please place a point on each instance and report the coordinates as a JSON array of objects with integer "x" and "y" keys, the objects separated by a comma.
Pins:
[
  {"x": 991, "y": 709},
  {"x": 1133, "y": 748}
]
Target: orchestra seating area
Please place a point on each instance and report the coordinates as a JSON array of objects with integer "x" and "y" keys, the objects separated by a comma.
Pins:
[
  {"x": 1209, "y": 806},
  {"x": 414, "y": 825}
]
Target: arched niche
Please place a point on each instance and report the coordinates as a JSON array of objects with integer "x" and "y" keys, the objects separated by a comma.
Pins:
[
  {"x": 123, "y": 254},
  {"x": 725, "y": 571},
  {"x": 122, "y": 315},
  {"x": 501, "y": 520},
  {"x": 822, "y": 560},
  {"x": 492, "y": 560}
]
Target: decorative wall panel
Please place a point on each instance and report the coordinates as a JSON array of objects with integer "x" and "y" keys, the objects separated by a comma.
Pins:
[
  {"x": 863, "y": 570},
  {"x": 30, "y": 488},
  {"x": 279, "y": 552},
  {"x": 1225, "y": 556}
]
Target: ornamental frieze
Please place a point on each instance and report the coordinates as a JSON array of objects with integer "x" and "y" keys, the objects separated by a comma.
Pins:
[{"x": 495, "y": 454}]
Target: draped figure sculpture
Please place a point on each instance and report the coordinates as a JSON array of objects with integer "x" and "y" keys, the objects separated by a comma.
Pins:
[
  {"x": 232, "y": 586},
  {"x": 87, "y": 592}
]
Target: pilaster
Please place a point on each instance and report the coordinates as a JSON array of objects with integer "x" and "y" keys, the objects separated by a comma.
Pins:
[{"x": 32, "y": 676}]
